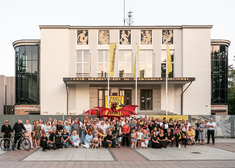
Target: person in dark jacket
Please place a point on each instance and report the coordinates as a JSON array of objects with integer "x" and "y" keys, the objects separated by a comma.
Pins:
[
  {"x": 44, "y": 143},
  {"x": 18, "y": 128},
  {"x": 6, "y": 131}
]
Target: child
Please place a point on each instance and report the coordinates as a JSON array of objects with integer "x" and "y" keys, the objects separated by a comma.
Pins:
[
  {"x": 139, "y": 135},
  {"x": 95, "y": 141},
  {"x": 119, "y": 137},
  {"x": 133, "y": 139}
]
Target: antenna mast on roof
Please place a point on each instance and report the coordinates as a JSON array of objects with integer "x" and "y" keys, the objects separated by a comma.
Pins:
[{"x": 124, "y": 14}]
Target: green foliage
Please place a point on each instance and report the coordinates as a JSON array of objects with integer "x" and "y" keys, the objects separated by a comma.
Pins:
[{"x": 231, "y": 92}]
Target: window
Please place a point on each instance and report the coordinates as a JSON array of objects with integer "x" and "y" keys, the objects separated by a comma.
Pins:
[
  {"x": 163, "y": 63},
  {"x": 219, "y": 74},
  {"x": 83, "y": 63},
  {"x": 127, "y": 96},
  {"x": 146, "y": 62},
  {"x": 27, "y": 74},
  {"x": 102, "y": 62},
  {"x": 145, "y": 99},
  {"x": 102, "y": 93},
  {"x": 125, "y": 62}
]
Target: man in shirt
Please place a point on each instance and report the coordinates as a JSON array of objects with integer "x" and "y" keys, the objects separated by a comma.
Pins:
[
  {"x": 6, "y": 131},
  {"x": 109, "y": 139},
  {"x": 190, "y": 133},
  {"x": 210, "y": 131},
  {"x": 52, "y": 139},
  {"x": 18, "y": 127},
  {"x": 75, "y": 127}
]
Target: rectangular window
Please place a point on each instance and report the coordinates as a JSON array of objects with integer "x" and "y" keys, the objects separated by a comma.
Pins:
[
  {"x": 83, "y": 63},
  {"x": 127, "y": 96},
  {"x": 101, "y": 94},
  {"x": 125, "y": 62},
  {"x": 145, "y": 99},
  {"x": 163, "y": 64},
  {"x": 146, "y": 62},
  {"x": 102, "y": 62}
]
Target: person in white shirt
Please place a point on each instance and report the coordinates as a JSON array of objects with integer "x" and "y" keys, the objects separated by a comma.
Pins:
[
  {"x": 28, "y": 132},
  {"x": 103, "y": 127},
  {"x": 188, "y": 124},
  {"x": 139, "y": 136},
  {"x": 210, "y": 131}
]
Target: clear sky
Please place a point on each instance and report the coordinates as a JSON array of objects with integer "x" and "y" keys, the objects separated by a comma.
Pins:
[{"x": 21, "y": 19}]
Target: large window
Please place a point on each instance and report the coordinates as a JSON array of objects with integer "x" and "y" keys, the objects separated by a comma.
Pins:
[
  {"x": 103, "y": 56},
  {"x": 125, "y": 62},
  {"x": 219, "y": 74},
  {"x": 27, "y": 74},
  {"x": 146, "y": 62},
  {"x": 102, "y": 93},
  {"x": 83, "y": 63},
  {"x": 145, "y": 99},
  {"x": 127, "y": 96},
  {"x": 163, "y": 63}
]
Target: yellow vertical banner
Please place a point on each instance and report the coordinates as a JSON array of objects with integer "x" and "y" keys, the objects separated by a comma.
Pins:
[
  {"x": 136, "y": 58},
  {"x": 169, "y": 60},
  {"x": 112, "y": 51}
]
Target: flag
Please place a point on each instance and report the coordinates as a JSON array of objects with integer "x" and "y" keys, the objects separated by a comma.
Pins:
[
  {"x": 112, "y": 51},
  {"x": 169, "y": 60},
  {"x": 136, "y": 58}
]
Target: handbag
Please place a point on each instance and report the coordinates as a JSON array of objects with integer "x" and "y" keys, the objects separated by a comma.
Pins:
[{"x": 26, "y": 134}]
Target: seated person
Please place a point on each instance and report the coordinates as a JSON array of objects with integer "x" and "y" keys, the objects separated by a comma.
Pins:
[
  {"x": 54, "y": 139},
  {"x": 144, "y": 139},
  {"x": 95, "y": 142},
  {"x": 65, "y": 138},
  {"x": 162, "y": 139},
  {"x": 88, "y": 140},
  {"x": 170, "y": 137},
  {"x": 109, "y": 139},
  {"x": 43, "y": 143},
  {"x": 180, "y": 137},
  {"x": 74, "y": 139},
  {"x": 155, "y": 143},
  {"x": 190, "y": 134}
]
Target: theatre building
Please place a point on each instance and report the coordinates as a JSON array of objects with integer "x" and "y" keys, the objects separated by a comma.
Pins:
[{"x": 66, "y": 71}]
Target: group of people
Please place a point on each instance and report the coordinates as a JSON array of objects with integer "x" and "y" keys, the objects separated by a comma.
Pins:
[{"x": 111, "y": 132}]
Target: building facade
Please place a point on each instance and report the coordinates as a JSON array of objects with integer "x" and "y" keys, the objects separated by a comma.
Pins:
[
  {"x": 70, "y": 72},
  {"x": 7, "y": 95}
]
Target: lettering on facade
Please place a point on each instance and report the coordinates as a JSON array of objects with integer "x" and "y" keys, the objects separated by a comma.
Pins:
[{"x": 128, "y": 79}]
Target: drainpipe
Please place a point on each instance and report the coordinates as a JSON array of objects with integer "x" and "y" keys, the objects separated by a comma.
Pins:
[
  {"x": 67, "y": 96},
  {"x": 182, "y": 97}
]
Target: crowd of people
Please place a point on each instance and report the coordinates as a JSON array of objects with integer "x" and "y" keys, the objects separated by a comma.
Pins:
[{"x": 111, "y": 132}]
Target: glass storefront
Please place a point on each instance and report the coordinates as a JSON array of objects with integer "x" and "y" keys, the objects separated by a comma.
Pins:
[{"x": 27, "y": 74}]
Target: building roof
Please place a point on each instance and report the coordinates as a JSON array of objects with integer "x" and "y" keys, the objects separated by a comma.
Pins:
[
  {"x": 125, "y": 27},
  {"x": 220, "y": 42},
  {"x": 26, "y": 42}
]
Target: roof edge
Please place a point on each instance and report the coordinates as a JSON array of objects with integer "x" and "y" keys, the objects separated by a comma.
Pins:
[
  {"x": 220, "y": 41},
  {"x": 26, "y": 42}
]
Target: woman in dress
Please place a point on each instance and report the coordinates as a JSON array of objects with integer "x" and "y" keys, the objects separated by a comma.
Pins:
[
  {"x": 32, "y": 133},
  {"x": 111, "y": 127},
  {"x": 47, "y": 129},
  {"x": 202, "y": 132},
  {"x": 155, "y": 143},
  {"x": 83, "y": 130},
  {"x": 162, "y": 139},
  {"x": 88, "y": 127},
  {"x": 197, "y": 140},
  {"x": 171, "y": 125},
  {"x": 94, "y": 127},
  {"x": 28, "y": 132},
  {"x": 37, "y": 133}
]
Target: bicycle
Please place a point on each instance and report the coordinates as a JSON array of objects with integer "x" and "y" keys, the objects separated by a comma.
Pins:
[{"x": 8, "y": 143}]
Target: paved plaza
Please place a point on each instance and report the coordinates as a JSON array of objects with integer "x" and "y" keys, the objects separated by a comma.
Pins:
[{"x": 222, "y": 154}]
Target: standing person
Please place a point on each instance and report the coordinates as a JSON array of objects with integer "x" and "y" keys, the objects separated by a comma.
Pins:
[
  {"x": 133, "y": 138},
  {"x": 210, "y": 131},
  {"x": 59, "y": 127},
  {"x": 197, "y": 131},
  {"x": 67, "y": 127},
  {"x": 50, "y": 121},
  {"x": 65, "y": 138},
  {"x": 69, "y": 120},
  {"x": 37, "y": 133},
  {"x": 83, "y": 130},
  {"x": 75, "y": 127},
  {"x": 47, "y": 129},
  {"x": 28, "y": 132},
  {"x": 165, "y": 125},
  {"x": 18, "y": 127},
  {"x": 6, "y": 131},
  {"x": 126, "y": 131},
  {"x": 103, "y": 127},
  {"x": 202, "y": 133},
  {"x": 171, "y": 125}
]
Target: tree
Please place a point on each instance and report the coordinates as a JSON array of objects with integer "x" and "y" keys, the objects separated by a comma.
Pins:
[{"x": 231, "y": 91}]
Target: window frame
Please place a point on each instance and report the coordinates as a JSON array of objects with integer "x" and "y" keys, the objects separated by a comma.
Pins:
[
  {"x": 146, "y": 99},
  {"x": 125, "y": 95}
]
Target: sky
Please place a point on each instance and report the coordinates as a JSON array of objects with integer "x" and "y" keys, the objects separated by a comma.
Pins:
[{"x": 21, "y": 19}]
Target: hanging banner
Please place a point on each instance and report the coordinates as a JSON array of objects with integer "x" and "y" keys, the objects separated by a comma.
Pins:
[
  {"x": 112, "y": 51},
  {"x": 113, "y": 99}
]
